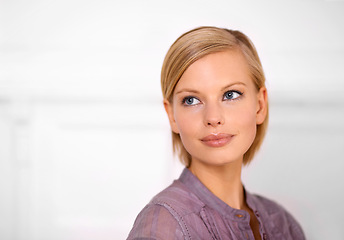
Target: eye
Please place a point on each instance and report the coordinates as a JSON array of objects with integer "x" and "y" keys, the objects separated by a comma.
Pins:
[
  {"x": 231, "y": 95},
  {"x": 190, "y": 101}
]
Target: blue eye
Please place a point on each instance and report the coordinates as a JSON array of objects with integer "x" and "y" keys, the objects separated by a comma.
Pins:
[
  {"x": 190, "y": 101},
  {"x": 231, "y": 95}
]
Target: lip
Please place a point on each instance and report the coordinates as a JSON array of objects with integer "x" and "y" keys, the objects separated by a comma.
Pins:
[{"x": 217, "y": 140}]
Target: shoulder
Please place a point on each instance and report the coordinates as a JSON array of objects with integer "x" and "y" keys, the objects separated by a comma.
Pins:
[
  {"x": 155, "y": 222},
  {"x": 269, "y": 205},
  {"x": 163, "y": 216},
  {"x": 178, "y": 198},
  {"x": 278, "y": 216}
]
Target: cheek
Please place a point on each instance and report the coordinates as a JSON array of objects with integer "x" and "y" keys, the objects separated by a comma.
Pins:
[
  {"x": 186, "y": 122},
  {"x": 247, "y": 119},
  {"x": 245, "y": 123}
]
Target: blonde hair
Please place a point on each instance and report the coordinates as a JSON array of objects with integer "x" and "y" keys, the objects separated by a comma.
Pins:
[{"x": 196, "y": 44}]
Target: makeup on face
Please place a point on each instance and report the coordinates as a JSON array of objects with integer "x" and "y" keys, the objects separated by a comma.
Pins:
[
  {"x": 214, "y": 108},
  {"x": 217, "y": 139}
]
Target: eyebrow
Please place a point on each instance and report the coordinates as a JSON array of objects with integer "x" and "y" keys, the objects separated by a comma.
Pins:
[{"x": 222, "y": 89}]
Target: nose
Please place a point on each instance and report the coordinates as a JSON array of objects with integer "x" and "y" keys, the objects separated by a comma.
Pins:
[{"x": 213, "y": 115}]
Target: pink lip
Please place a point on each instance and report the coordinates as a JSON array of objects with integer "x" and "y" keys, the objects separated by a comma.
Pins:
[{"x": 217, "y": 140}]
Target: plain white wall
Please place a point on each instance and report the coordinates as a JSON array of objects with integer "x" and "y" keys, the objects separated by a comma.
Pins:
[{"x": 84, "y": 139}]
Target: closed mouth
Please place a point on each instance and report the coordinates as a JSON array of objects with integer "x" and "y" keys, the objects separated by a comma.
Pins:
[{"x": 217, "y": 140}]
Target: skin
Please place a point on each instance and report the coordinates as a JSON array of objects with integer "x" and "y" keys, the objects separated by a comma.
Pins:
[{"x": 216, "y": 95}]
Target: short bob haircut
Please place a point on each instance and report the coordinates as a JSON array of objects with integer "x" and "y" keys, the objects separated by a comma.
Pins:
[{"x": 195, "y": 44}]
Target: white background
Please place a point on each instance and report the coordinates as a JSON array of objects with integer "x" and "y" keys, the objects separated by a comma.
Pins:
[{"x": 84, "y": 140}]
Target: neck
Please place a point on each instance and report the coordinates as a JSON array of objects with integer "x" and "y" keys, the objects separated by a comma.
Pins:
[{"x": 223, "y": 181}]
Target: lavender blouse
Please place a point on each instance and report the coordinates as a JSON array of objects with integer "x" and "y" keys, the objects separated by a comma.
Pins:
[{"x": 188, "y": 210}]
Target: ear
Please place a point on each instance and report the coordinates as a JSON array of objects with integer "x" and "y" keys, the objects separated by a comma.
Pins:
[
  {"x": 169, "y": 110},
  {"x": 262, "y": 105}
]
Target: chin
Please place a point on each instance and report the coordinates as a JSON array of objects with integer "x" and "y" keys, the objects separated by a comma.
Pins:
[{"x": 218, "y": 160}]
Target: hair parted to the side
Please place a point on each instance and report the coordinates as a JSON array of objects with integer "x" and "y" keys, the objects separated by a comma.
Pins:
[{"x": 196, "y": 44}]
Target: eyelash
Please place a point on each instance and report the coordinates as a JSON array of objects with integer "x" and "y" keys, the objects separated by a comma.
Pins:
[
  {"x": 187, "y": 98},
  {"x": 231, "y": 91},
  {"x": 234, "y": 91}
]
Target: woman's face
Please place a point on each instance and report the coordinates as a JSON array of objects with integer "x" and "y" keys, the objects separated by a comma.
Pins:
[{"x": 216, "y": 108}]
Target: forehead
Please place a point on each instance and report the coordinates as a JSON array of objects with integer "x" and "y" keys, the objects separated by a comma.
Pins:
[{"x": 216, "y": 70}]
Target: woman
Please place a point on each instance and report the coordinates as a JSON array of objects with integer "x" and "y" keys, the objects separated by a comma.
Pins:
[{"x": 216, "y": 101}]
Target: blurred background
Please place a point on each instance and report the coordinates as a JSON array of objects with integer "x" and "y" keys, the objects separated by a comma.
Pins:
[{"x": 84, "y": 140}]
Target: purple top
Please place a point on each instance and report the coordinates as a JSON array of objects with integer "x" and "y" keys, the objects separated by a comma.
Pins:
[{"x": 188, "y": 210}]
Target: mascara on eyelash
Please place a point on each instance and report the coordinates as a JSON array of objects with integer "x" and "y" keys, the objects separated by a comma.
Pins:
[
  {"x": 231, "y": 92},
  {"x": 236, "y": 91},
  {"x": 186, "y": 98}
]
